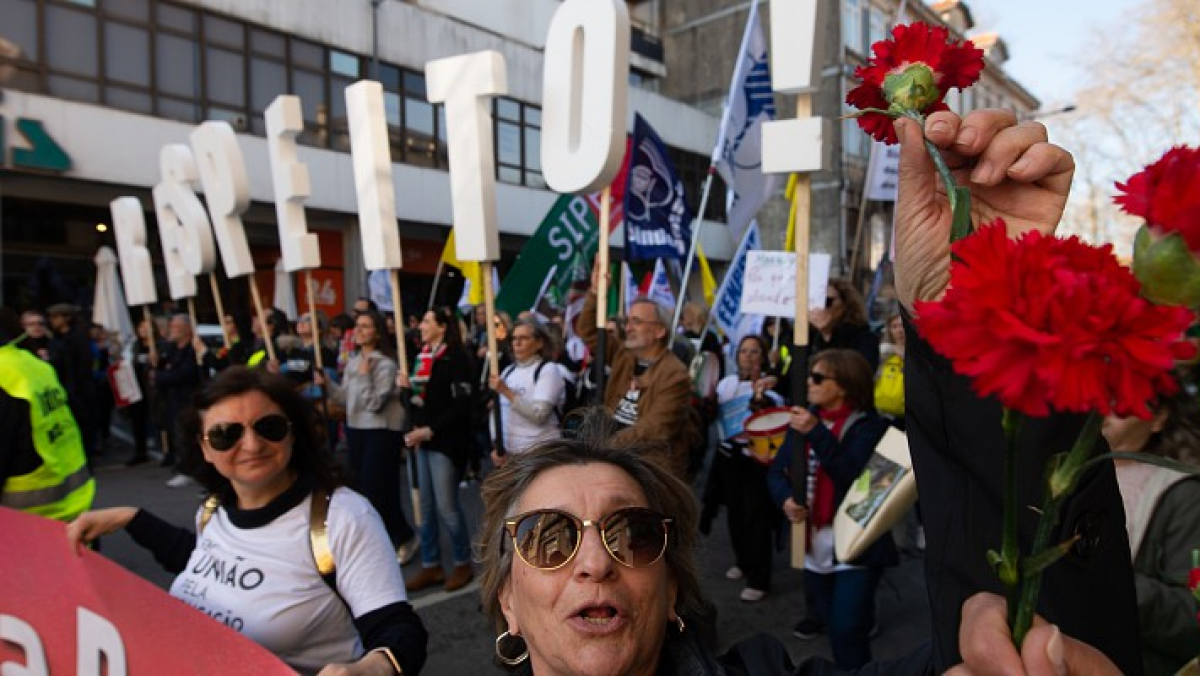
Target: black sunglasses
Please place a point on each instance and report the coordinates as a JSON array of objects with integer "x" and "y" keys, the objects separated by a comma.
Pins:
[
  {"x": 547, "y": 539},
  {"x": 819, "y": 378},
  {"x": 273, "y": 427}
]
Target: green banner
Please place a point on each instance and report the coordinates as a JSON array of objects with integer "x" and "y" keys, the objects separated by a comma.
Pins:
[{"x": 571, "y": 225}]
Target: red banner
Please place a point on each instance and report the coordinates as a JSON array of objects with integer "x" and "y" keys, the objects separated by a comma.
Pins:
[{"x": 62, "y": 613}]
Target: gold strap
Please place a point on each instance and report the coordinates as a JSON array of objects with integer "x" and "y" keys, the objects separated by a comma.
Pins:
[
  {"x": 318, "y": 532},
  {"x": 210, "y": 508},
  {"x": 391, "y": 658}
]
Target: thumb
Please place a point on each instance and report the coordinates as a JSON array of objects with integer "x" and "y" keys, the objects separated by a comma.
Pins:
[{"x": 917, "y": 175}]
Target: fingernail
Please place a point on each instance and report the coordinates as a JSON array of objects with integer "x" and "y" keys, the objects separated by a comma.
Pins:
[
  {"x": 1054, "y": 652},
  {"x": 967, "y": 137},
  {"x": 939, "y": 128},
  {"x": 983, "y": 173},
  {"x": 1019, "y": 166}
]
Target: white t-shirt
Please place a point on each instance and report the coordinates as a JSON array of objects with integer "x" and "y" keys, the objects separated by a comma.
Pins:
[
  {"x": 521, "y": 433},
  {"x": 263, "y": 582},
  {"x": 734, "y": 397}
]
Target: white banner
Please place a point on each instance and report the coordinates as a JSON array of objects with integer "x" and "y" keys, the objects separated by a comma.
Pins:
[
  {"x": 883, "y": 172},
  {"x": 770, "y": 285}
]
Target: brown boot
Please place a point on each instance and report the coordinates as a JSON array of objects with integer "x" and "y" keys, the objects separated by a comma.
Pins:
[
  {"x": 428, "y": 577},
  {"x": 459, "y": 577}
]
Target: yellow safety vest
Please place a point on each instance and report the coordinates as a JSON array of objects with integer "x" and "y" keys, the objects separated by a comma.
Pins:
[{"x": 62, "y": 487}]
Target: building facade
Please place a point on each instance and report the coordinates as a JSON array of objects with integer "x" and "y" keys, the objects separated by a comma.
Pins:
[{"x": 91, "y": 90}]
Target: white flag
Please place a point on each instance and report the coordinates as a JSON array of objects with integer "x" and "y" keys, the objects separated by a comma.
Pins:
[
  {"x": 660, "y": 287},
  {"x": 738, "y": 153}
]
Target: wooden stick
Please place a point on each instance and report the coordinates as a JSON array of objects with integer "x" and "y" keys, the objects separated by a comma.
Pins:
[
  {"x": 803, "y": 200},
  {"x": 602, "y": 253},
  {"x": 195, "y": 327},
  {"x": 151, "y": 335},
  {"x": 398, "y": 316},
  {"x": 489, "y": 301},
  {"x": 262, "y": 318},
  {"x": 313, "y": 322},
  {"x": 216, "y": 292}
]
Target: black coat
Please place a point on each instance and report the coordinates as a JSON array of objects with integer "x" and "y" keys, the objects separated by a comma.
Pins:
[
  {"x": 957, "y": 449},
  {"x": 446, "y": 407}
]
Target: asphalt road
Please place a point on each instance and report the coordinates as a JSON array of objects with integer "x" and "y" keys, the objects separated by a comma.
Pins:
[{"x": 460, "y": 639}]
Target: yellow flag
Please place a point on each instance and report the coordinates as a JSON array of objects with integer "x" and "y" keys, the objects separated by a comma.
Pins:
[
  {"x": 470, "y": 270},
  {"x": 706, "y": 276},
  {"x": 789, "y": 240}
]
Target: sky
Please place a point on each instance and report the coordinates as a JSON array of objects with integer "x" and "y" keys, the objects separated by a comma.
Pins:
[{"x": 1044, "y": 35}]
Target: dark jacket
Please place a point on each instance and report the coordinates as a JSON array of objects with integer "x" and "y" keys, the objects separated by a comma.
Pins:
[
  {"x": 1166, "y": 608},
  {"x": 446, "y": 407},
  {"x": 843, "y": 460},
  {"x": 847, "y": 337},
  {"x": 176, "y": 378},
  {"x": 666, "y": 394},
  {"x": 958, "y": 449}
]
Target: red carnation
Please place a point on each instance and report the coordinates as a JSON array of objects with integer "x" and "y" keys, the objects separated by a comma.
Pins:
[
  {"x": 1045, "y": 323},
  {"x": 1167, "y": 194},
  {"x": 912, "y": 72}
]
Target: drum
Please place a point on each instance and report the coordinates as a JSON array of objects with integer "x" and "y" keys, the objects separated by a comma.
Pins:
[{"x": 765, "y": 431}]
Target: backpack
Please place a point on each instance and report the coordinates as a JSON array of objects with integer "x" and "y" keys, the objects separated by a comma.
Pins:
[
  {"x": 318, "y": 533},
  {"x": 889, "y": 386}
]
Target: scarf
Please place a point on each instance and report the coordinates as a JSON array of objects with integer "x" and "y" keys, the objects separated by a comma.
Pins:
[
  {"x": 420, "y": 376},
  {"x": 823, "y": 491}
]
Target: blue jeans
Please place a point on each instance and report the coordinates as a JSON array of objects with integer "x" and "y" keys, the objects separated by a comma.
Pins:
[
  {"x": 845, "y": 600},
  {"x": 439, "y": 497}
]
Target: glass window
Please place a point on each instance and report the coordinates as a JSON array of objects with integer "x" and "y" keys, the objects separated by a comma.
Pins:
[
  {"x": 508, "y": 143},
  {"x": 225, "y": 77},
  {"x": 235, "y": 118},
  {"x": 507, "y": 109},
  {"x": 534, "y": 179},
  {"x": 73, "y": 34},
  {"x": 127, "y": 53},
  {"x": 310, "y": 87},
  {"x": 119, "y": 97},
  {"x": 337, "y": 95},
  {"x": 220, "y": 31},
  {"x": 418, "y": 116},
  {"x": 20, "y": 26},
  {"x": 533, "y": 149},
  {"x": 177, "y": 62},
  {"x": 414, "y": 83},
  {"x": 879, "y": 26},
  {"x": 131, "y": 9},
  {"x": 533, "y": 116},
  {"x": 305, "y": 53},
  {"x": 178, "y": 18},
  {"x": 509, "y": 175},
  {"x": 72, "y": 88},
  {"x": 185, "y": 111},
  {"x": 268, "y": 79},
  {"x": 852, "y": 24},
  {"x": 83, "y": 3},
  {"x": 391, "y": 108},
  {"x": 271, "y": 44},
  {"x": 344, "y": 64},
  {"x": 389, "y": 77}
]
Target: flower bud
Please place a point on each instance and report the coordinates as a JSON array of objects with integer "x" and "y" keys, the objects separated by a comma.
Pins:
[
  {"x": 1167, "y": 269},
  {"x": 913, "y": 88}
]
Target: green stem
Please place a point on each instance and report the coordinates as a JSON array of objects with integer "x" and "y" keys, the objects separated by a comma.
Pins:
[
  {"x": 1010, "y": 574},
  {"x": 960, "y": 198},
  {"x": 1060, "y": 483}
]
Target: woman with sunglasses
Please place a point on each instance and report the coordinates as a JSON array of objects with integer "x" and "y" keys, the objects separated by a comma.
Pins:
[
  {"x": 252, "y": 444},
  {"x": 374, "y": 420},
  {"x": 842, "y": 324},
  {"x": 839, "y": 431}
]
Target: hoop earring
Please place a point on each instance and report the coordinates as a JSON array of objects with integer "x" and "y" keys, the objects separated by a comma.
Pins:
[
  {"x": 679, "y": 623},
  {"x": 510, "y": 661}
]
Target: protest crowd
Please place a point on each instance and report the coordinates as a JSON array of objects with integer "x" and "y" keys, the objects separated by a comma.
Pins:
[{"x": 330, "y": 453}]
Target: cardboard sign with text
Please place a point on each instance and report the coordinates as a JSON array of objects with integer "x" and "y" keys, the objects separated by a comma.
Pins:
[
  {"x": 64, "y": 613},
  {"x": 770, "y": 285}
]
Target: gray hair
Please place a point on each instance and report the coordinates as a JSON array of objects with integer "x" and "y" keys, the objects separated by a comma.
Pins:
[
  {"x": 549, "y": 345},
  {"x": 594, "y": 443},
  {"x": 661, "y": 312}
]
